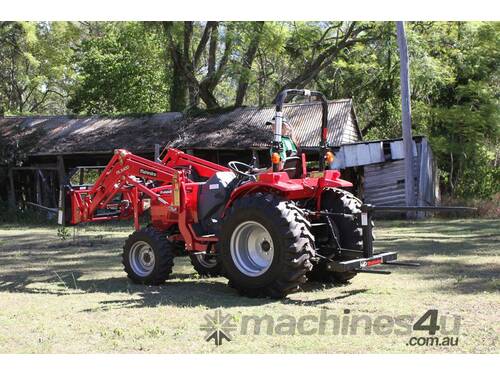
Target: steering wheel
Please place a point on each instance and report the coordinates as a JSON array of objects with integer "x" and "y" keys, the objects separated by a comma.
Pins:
[{"x": 237, "y": 167}]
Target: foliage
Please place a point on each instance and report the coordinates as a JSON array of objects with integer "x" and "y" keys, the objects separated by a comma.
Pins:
[
  {"x": 137, "y": 67},
  {"x": 120, "y": 71},
  {"x": 35, "y": 66},
  {"x": 454, "y": 92},
  {"x": 465, "y": 114},
  {"x": 486, "y": 208},
  {"x": 63, "y": 233}
]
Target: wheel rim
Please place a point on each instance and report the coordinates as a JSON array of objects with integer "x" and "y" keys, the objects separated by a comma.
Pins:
[
  {"x": 252, "y": 248},
  {"x": 206, "y": 260},
  {"x": 142, "y": 258}
]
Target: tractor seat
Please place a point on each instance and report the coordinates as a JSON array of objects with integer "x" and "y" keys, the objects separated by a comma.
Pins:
[{"x": 293, "y": 166}]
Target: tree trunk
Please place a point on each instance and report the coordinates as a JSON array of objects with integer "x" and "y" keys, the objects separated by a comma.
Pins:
[
  {"x": 179, "y": 87},
  {"x": 178, "y": 90},
  {"x": 247, "y": 64},
  {"x": 186, "y": 64},
  {"x": 206, "y": 94}
]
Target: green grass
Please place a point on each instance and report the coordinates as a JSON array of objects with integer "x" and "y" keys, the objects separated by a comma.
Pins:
[{"x": 72, "y": 296}]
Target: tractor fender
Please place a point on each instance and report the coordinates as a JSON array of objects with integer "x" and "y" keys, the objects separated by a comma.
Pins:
[
  {"x": 254, "y": 187},
  {"x": 289, "y": 189}
]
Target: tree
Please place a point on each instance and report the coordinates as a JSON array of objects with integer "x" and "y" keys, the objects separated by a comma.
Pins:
[
  {"x": 454, "y": 77},
  {"x": 35, "y": 68},
  {"x": 329, "y": 42},
  {"x": 120, "y": 70},
  {"x": 202, "y": 55},
  {"x": 132, "y": 67},
  {"x": 466, "y": 114},
  {"x": 246, "y": 65},
  {"x": 187, "y": 64}
]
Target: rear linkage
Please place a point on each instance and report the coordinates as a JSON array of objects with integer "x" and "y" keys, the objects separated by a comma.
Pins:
[{"x": 367, "y": 257}]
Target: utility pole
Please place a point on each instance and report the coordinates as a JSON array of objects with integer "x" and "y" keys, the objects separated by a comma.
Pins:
[{"x": 406, "y": 114}]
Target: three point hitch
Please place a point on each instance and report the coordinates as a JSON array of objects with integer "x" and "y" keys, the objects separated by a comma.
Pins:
[{"x": 361, "y": 260}]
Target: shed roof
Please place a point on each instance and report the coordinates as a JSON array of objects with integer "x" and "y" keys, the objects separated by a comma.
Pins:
[
  {"x": 66, "y": 134},
  {"x": 241, "y": 128},
  {"x": 246, "y": 127}
]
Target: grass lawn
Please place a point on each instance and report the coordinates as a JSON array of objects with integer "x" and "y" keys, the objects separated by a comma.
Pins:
[{"x": 73, "y": 297}]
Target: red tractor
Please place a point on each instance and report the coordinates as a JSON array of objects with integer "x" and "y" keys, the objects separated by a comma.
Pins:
[{"x": 266, "y": 230}]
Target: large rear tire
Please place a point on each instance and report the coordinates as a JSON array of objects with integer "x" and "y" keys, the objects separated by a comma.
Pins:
[
  {"x": 348, "y": 229},
  {"x": 148, "y": 257},
  {"x": 265, "y": 246}
]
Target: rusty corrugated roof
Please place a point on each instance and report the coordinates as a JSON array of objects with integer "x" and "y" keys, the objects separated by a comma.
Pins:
[
  {"x": 245, "y": 127},
  {"x": 66, "y": 134},
  {"x": 241, "y": 128}
]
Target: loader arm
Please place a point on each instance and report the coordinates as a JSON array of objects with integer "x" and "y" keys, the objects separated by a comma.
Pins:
[
  {"x": 135, "y": 179},
  {"x": 205, "y": 169},
  {"x": 132, "y": 176}
]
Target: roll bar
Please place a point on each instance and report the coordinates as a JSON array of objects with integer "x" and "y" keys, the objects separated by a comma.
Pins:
[{"x": 278, "y": 123}]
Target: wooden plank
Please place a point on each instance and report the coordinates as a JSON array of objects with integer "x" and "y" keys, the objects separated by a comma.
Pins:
[
  {"x": 376, "y": 152},
  {"x": 157, "y": 153},
  {"x": 38, "y": 187},
  {"x": 53, "y": 198},
  {"x": 61, "y": 175},
  {"x": 45, "y": 188},
  {"x": 406, "y": 113},
  {"x": 50, "y": 209},
  {"x": 397, "y": 151},
  {"x": 61, "y": 172},
  {"x": 12, "y": 191},
  {"x": 82, "y": 175},
  {"x": 350, "y": 156},
  {"x": 363, "y": 154}
]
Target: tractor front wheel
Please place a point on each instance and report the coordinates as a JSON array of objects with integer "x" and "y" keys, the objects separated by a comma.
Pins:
[
  {"x": 148, "y": 257},
  {"x": 265, "y": 246},
  {"x": 207, "y": 265}
]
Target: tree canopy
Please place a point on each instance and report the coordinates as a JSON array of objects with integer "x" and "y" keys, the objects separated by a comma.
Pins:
[{"x": 144, "y": 67}]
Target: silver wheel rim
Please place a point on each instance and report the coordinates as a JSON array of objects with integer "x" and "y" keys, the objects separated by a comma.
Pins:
[
  {"x": 142, "y": 258},
  {"x": 206, "y": 261},
  {"x": 252, "y": 248}
]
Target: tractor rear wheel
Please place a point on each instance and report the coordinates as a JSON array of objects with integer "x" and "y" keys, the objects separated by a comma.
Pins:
[
  {"x": 148, "y": 257},
  {"x": 207, "y": 265},
  {"x": 265, "y": 246},
  {"x": 348, "y": 230}
]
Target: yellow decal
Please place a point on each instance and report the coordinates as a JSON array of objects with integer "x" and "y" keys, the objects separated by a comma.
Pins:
[{"x": 177, "y": 192}]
